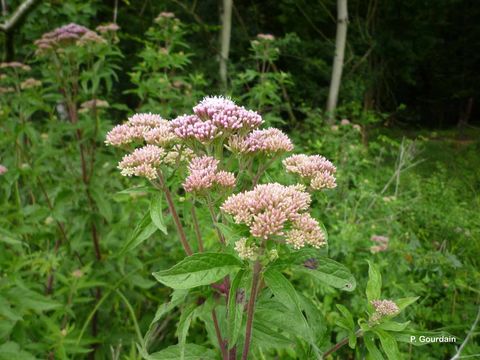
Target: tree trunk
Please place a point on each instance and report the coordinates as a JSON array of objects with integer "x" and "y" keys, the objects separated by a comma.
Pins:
[
  {"x": 225, "y": 41},
  {"x": 340, "y": 41}
]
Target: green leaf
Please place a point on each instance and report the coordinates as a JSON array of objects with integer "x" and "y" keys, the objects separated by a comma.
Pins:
[
  {"x": 404, "y": 302},
  {"x": 177, "y": 298},
  {"x": 347, "y": 316},
  {"x": 329, "y": 272},
  {"x": 142, "y": 232},
  {"x": 11, "y": 350},
  {"x": 156, "y": 213},
  {"x": 373, "y": 350},
  {"x": 183, "y": 326},
  {"x": 103, "y": 204},
  {"x": 282, "y": 289},
  {"x": 191, "y": 352},
  {"x": 393, "y": 326},
  {"x": 389, "y": 344},
  {"x": 286, "y": 294},
  {"x": 236, "y": 302},
  {"x": 198, "y": 269},
  {"x": 374, "y": 284}
]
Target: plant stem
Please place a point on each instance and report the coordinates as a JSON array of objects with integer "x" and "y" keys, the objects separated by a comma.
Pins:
[
  {"x": 197, "y": 229},
  {"x": 257, "y": 267},
  {"x": 222, "y": 344},
  {"x": 176, "y": 218},
  {"x": 340, "y": 344},
  {"x": 214, "y": 220}
]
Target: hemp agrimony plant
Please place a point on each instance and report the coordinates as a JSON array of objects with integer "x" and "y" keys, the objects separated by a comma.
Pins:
[
  {"x": 161, "y": 80},
  {"x": 218, "y": 159}
]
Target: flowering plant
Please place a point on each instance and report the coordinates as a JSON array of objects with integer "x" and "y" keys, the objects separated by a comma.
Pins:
[{"x": 218, "y": 160}]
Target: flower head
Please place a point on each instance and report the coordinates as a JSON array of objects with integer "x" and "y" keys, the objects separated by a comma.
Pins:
[
  {"x": 14, "y": 65},
  {"x": 204, "y": 174},
  {"x": 71, "y": 34},
  {"x": 215, "y": 116},
  {"x": 315, "y": 168},
  {"x": 267, "y": 208},
  {"x": 267, "y": 37},
  {"x": 3, "y": 169},
  {"x": 147, "y": 127},
  {"x": 381, "y": 243},
  {"x": 94, "y": 103},
  {"x": 269, "y": 141},
  {"x": 107, "y": 28},
  {"x": 305, "y": 231},
  {"x": 245, "y": 251},
  {"x": 30, "y": 83},
  {"x": 142, "y": 162},
  {"x": 383, "y": 308}
]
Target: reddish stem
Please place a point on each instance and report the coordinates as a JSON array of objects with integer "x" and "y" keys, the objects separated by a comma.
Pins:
[{"x": 257, "y": 267}]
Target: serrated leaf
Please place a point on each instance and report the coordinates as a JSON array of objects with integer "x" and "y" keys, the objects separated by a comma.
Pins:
[
  {"x": 393, "y": 326},
  {"x": 236, "y": 303},
  {"x": 11, "y": 350},
  {"x": 191, "y": 352},
  {"x": 142, "y": 232},
  {"x": 374, "y": 284},
  {"x": 347, "y": 316},
  {"x": 404, "y": 302},
  {"x": 389, "y": 344},
  {"x": 177, "y": 298},
  {"x": 199, "y": 269},
  {"x": 330, "y": 272},
  {"x": 156, "y": 213},
  {"x": 373, "y": 350},
  {"x": 183, "y": 326},
  {"x": 286, "y": 294},
  {"x": 282, "y": 289}
]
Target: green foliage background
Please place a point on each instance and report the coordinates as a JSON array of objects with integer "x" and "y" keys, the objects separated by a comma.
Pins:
[{"x": 400, "y": 80}]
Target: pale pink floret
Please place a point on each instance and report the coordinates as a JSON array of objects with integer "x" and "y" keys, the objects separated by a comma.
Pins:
[
  {"x": 323, "y": 180},
  {"x": 226, "y": 115},
  {"x": 204, "y": 174},
  {"x": 192, "y": 127},
  {"x": 110, "y": 27},
  {"x": 147, "y": 127},
  {"x": 3, "y": 169},
  {"x": 142, "y": 162},
  {"x": 268, "y": 37},
  {"x": 306, "y": 231},
  {"x": 314, "y": 168},
  {"x": 381, "y": 243},
  {"x": 225, "y": 179},
  {"x": 383, "y": 308},
  {"x": 269, "y": 141},
  {"x": 267, "y": 207}
]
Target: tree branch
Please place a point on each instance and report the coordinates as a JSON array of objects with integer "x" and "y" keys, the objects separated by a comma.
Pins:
[{"x": 21, "y": 11}]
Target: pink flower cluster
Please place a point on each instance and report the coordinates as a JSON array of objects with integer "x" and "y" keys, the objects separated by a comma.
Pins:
[
  {"x": 147, "y": 127},
  {"x": 204, "y": 174},
  {"x": 306, "y": 231},
  {"x": 142, "y": 162},
  {"x": 215, "y": 116},
  {"x": 315, "y": 168},
  {"x": 71, "y": 34},
  {"x": 383, "y": 308},
  {"x": 381, "y": 243},
  {"x": 267, "y": 208},
  {"x": 15, "y": 65},
  {"x": 3, "y": 169},
  {"x": 107, "y": 28},
  {"x": 267, "y": 37},
  {"x": 269, "y": 141}
]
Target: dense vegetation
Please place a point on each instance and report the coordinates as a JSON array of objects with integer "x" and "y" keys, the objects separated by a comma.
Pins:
[{"x": 79, "y": 242}]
